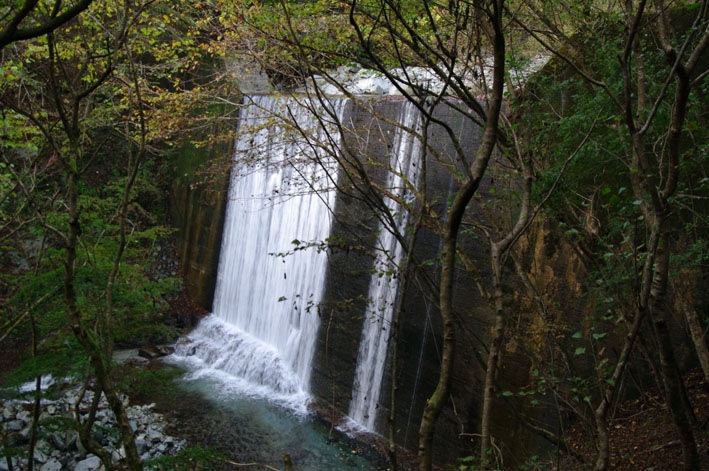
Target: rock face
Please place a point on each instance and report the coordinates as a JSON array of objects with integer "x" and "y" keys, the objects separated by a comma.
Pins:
[
  {"x": 197, "y": 210},
  {"x": 61, "y": 450}
]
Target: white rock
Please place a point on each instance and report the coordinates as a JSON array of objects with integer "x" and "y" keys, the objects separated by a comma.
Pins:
[
  {"x": 140, "y": 445},
  {"x": 91, "y": 463},
  {"x": 8, "y": 412},
  {"x": 371, "y": 86},
  {"x": 52, "y": 465},
  {"x": 40, "y": 456},
  {"x": 26, "y": 432},
  {"x": 154, "y": 436},
  {"x": 14, "y": 425},
  {"x": 118, "y": 455}
]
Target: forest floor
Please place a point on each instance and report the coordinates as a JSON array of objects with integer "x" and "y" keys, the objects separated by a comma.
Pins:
[{"x": 643, "y": 436}]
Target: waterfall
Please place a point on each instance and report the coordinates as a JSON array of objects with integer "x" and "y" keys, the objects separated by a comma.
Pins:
[
  {"x": 272, "y": 265},
  {"x": 405, "y": 162}
]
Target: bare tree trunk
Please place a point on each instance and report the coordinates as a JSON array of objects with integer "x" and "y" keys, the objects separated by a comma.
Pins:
[
  {"x": 450, "y": 235},
  {"x": 610, "y": 394},
  {"x": 92, "y": 347},
  {"x": 85, "y": 428},
  {"x": 671, "y": 378},
  {"x": 492, "y": 358},
  {"x": 697, "y": 334},
  {"x": 440, "y": 395},
  {"x": 37, "y": 400}
]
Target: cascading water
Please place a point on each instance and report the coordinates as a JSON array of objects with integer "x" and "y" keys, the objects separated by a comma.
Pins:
[
  {"x": 405, "y": 162},
  {"x": 272, "y": 270}
]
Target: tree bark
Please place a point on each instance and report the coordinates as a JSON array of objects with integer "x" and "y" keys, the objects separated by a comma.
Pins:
[
  {"x": 492, "y": 359},
  {"x": 92, "y": 347},
  {"x": 450, "y": 236},
  {"x": 695, "y": 331},
  {"x": 671, "y": 378}
]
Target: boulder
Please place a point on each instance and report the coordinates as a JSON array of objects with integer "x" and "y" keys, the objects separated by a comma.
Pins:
[
  {"x": 154, "y": 436},
  {"x": 166, "y": 350},
  {"x": 141, "y": 445},
  {"x": 52, "y": 465},
  {"x": 14, "y": 425},
  {"x": 149, "y": 352},
  {"x": 152, "y": 351},
  {"x": 57, "y": 441},
  {"x": 91, "y": 463}
]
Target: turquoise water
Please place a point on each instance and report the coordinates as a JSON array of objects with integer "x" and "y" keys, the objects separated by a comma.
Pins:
[{"x": 252, "y": 428}]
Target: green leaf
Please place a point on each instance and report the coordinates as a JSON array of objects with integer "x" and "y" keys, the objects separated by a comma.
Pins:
[{"x": 580, "y": 351}]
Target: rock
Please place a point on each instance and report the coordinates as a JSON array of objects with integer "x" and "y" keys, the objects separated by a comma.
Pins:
[
  {"x": 151, "y": 351},
  {"x": 8, "y": 412},
  {"x": 57, "y": 441},
  {"x": 71, "y": 439},
  {"x": 166, "y": 350},
  {"x": 63, "y": 450},
  {"x": 118, "y": 455},
  {"x": 26, "y": 432},
  {"x": 91, "y": 463},
  {"x": 372, "y": 86},
  {"x": 40, "y": 456},
  {"x": 80, "y": 450},
  {"x": 14, "y": 425},
  {"x": 140, "y": 445},
  {"x": 154, "y": 436},
  {"x": 52, "y": 465}
]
